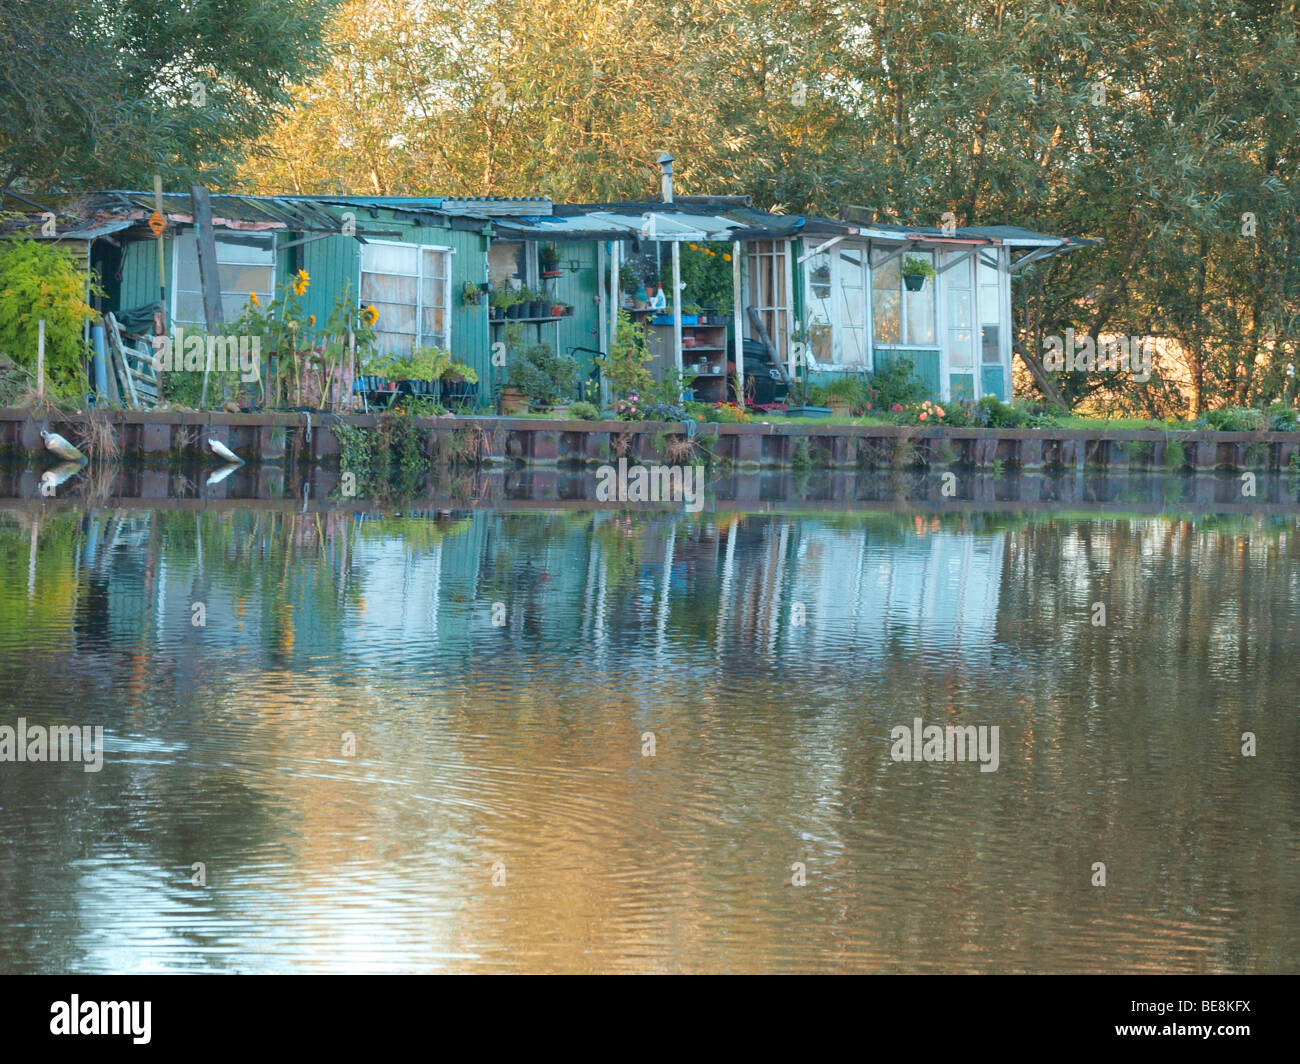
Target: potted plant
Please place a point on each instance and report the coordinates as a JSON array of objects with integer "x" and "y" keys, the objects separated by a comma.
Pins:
[
  {"x": 915, "y": 271},
  {"x": 507, "y": 303},
  {"x": 459, "y": 385},
  {"x": 540, "y": 374},
  {"x": 548, "y": 257},
  {"x": 472, "y": 294},
  {"x": 844, "y": 395}
]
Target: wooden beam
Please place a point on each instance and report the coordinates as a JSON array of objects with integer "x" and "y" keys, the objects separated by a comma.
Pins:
[{"x": 209, "y": 275}]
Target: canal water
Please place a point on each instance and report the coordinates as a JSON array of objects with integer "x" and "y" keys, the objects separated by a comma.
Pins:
[{"x": 566, "y": 740}]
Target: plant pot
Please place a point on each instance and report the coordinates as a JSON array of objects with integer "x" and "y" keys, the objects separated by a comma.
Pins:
[
  {"x": 839, "y": 407},
  {"x": 496, "y": 314},
  {"x": 538, "y": 308},
  {"x": 914, "y": 281},
  {"x": 567, "y": 312},
  {"x": 458, "y": 393},
  {"x": 557, "y": 310},
  {"x": 513, "y": 401},
  {"x": 552, "y": 273},
  {"x": 517, "y": 310}
]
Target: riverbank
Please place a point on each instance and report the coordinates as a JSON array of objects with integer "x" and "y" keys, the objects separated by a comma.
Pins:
[{"x": 174, "y": 438}]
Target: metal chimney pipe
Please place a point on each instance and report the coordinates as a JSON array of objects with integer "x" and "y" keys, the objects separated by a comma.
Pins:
[{"x": 666, "y": 164}]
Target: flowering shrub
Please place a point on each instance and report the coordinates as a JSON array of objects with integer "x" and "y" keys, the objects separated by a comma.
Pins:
[{"x": 629, "y": 409}]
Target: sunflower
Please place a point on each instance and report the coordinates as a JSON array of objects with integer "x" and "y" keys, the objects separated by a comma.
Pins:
[
  {"x": 301, "y": 280},
  {"x": 370, "y": 315},
  {"x": 252, "y": 298},
  {"x": 311, "y": 320}
]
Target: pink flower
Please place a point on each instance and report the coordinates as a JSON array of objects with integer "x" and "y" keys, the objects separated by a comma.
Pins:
[
  {"x": 897, "y": 408},
  {"x": 924, "y": 415},
  {"x": 868, "y": 406},
  {"x": 939, "y": 411}
]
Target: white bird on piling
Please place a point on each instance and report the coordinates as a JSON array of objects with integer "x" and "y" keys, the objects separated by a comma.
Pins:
[
  {"x": 60, "y": 447},
  {"x": 222, "y": 451}
]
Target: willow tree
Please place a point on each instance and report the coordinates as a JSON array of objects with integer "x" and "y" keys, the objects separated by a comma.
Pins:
[{"x": 106, "y": 93}]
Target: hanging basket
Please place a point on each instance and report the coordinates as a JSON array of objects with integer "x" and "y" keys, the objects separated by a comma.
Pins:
[{"x": 914, "y": 281}]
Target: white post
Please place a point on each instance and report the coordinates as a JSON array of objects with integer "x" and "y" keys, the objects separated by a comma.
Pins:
[
  {"x": 677, "y": 311},
  {"x": 737, "y": 299},
  {"x": 40, "y": 359}
]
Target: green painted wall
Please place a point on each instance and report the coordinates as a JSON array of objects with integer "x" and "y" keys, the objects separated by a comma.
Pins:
[
  {"x": 140, "y": 273},
  {"x": 925, "y": 365},
  {"x": 334, "y": 262}
]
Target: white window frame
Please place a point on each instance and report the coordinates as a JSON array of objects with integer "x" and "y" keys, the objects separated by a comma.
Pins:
[
  {"x": 902, "y": 344},
  {"x": 780, "y": 254},
  {"x": 838, "y": 325},
  {"x": 267, "y": 297},
  {"x": 420, "y": 340}
]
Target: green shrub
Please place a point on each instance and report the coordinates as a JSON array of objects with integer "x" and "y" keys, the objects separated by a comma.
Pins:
[
  {"x": 895, "y": 385},
  {"x": 584, "y": 411},
  {"x": 1232, "y": 419},
  {"x": 625, "y": 366},
  {"x": 541, "y": 374},
  {"x": 1281, "y": 418},
  {"x": 40, "y": 280}
]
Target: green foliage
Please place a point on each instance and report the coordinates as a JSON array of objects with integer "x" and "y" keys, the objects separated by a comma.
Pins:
[
  {"x": 895, "y": 384},
  {"x": 541, "y": 374},
  {"x": 1281, "y": 418},
  {"x": 40, "y": 280},
  {"x": 846, "y": 388},
  {"x": 624, "y": 368},
  {"x": 422, "y": 364},
  {"x": 915, "y": 266},
  {"x": 1175, "y": 454},
  {"x": 706, "y": 274},
  {"x": 389, "y": 461},
  {"x": 1232, "y": 419},
  {"x": 106, "y": 93},
  {"x": 584, "y": 411}
]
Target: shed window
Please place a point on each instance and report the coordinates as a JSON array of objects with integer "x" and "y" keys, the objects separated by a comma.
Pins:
[
  {"x": 837, "y": 306},
  {"x": 410, "y": 286},
  {"x": 769, "y": 290},
  {"x": 245, "y": 263},
  {"x": 902, "y": 316},
  {"x": 990, "y": 304}
]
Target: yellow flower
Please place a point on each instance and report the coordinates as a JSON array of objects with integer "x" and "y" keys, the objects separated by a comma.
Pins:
[
  {"x": 726, "y": 257},
  {"x": 370, "y": 315},
  {"x": 252, "y": 298},
  {"x": 304, "y": 277},
  {"x": 311, "y": 320}
]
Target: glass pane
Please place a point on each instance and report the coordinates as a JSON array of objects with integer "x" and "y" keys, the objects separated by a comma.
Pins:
[
  {"x": 885, "y": 312},
  {"x": 396, "y": 317},
  {"x": 377, "y": 288},
  {"x": 245, "y": 279},
  {"x": 504, "y": 262},
  {"x": 246, "y": 250},
  {"x": 959, "y": 308},
  {"x": 187, "y": 263},
  {"x": 853, "y": 347},
  {"x": 990, "y": 305},
  {"x": 189, "y": 307},
  {"x": 920, "y": 315},
  {"x": 989, "y": 344},
  {"x": 389, "y": 258},
  {"x": 819, "y": 291},
  {"x": 987, "y": 274}
]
